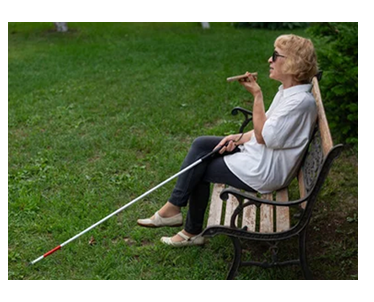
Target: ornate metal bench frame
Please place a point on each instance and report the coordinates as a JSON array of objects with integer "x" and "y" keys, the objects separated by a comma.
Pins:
[{"x": 313, "y": 172}]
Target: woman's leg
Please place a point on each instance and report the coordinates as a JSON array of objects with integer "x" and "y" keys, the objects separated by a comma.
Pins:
[
  {"x": 194, "y": 185},
  {"x": 187, "y": 182},
  {"x": 216, "y": 172}
]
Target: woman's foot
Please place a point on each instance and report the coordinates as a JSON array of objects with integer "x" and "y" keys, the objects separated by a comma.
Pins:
[
  {"x": 169, "y": 210},
  {"x": 183, "y": 238},
  {"x": 168, "y": 215}
]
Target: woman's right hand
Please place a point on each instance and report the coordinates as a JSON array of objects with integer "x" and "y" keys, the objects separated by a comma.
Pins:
[{"x": 232, "y": 143}]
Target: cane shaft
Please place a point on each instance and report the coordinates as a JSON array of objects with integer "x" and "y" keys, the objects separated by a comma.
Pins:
[{"x": 117, "y": 211}]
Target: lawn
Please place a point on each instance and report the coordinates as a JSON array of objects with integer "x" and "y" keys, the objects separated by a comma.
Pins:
[{"x": 99, "y": 115}]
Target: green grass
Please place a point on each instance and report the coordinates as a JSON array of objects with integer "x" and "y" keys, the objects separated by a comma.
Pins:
[{"x": 100, "y": 114}]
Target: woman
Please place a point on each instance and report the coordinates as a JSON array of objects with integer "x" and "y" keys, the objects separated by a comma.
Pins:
[{"x": 263, "y": 159}]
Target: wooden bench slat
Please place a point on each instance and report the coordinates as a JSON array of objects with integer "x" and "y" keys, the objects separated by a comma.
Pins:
[
  {"x": 302, "y": 189},
  {"x": 323, "y": 125},
  {"x": 282, "y": 213},
  {"x": 215, "y": 210},
  {"x": 231, "y": 204},
  {"x": 249, "y": 216},
  {"x": 266, "y": 215}
]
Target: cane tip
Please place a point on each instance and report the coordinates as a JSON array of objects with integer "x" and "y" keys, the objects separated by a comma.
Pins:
[{"x": 30, "y": 263}]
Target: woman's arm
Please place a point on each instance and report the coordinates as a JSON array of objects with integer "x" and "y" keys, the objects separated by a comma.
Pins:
[
  {"x": 259, "y": 117},
  {"x": 234, "y": 141}
]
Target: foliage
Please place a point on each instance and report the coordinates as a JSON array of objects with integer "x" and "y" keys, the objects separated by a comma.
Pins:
[
  {"x": 272, "y": 25},
  {"x": 337, "y": 49}
]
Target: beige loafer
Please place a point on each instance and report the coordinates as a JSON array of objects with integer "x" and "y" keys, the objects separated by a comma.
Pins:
[
  {"x": 158, "y": 221},
  {"x": 188, "y": 241}
]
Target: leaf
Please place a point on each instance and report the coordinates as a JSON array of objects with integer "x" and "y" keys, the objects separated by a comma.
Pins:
[{"x": 92, "y": 241}]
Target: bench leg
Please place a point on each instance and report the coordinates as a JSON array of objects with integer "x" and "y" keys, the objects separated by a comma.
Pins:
[
  {"x": 237, "y": 258},
  {"x": 303, "y": 261}
]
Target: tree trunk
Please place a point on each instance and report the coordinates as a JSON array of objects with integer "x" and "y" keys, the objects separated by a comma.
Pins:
[
  {"x": 205, "y": 25},
  {"x": 61, "y": 26}
]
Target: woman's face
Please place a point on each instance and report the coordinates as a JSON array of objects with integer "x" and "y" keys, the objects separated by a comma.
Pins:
[{"x": 276, "y": 63}]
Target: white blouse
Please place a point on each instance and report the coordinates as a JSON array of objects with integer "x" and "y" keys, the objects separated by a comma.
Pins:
[{"x": 289, "y": 125}]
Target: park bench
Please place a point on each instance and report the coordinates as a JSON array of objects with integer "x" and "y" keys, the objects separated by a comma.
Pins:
[{"x": 248, "y": 216}]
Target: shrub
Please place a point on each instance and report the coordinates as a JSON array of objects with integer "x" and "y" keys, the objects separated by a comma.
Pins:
[
  {"x": 337, "y": 50},
  {"x": 272, "y": 25}
]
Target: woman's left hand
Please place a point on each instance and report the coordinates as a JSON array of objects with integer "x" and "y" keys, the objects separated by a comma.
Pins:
[{"x": 250, "y": 83}]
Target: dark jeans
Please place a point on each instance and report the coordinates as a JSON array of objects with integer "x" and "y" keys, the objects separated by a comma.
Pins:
[{"x": 194, "y": 185}]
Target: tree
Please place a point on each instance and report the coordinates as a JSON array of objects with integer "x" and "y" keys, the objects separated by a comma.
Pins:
[
  {"x": 337, "y": 50},
  {"x": 205, "y": 25},
  {"x": 61, "y": 26}
]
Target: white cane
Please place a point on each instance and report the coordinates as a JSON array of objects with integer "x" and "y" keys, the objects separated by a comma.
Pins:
[{"x": 209, "y": 155}]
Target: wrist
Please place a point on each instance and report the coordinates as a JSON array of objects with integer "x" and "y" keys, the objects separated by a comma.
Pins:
[{"x": 257, "y": 94}]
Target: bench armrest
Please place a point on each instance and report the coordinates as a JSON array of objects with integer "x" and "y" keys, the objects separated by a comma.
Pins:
[
  {"x": 244, "y": 111},
  {"x": 247, "y": 117},
  {"x": 255, "y": 200}
]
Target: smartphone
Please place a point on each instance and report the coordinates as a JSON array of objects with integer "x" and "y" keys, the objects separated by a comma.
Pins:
[{"x": 239, "y": 77}]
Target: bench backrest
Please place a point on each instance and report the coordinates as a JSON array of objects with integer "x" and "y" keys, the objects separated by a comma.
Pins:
[
  {"x": 319, "y": 147},
  {"x": 318, "y": 160}
]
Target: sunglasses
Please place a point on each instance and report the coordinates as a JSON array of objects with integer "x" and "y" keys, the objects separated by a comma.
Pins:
[{"x": 275, "y": 56}]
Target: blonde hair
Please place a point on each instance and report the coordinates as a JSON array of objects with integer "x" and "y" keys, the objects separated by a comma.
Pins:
[{"x": 301, "y": 58}]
